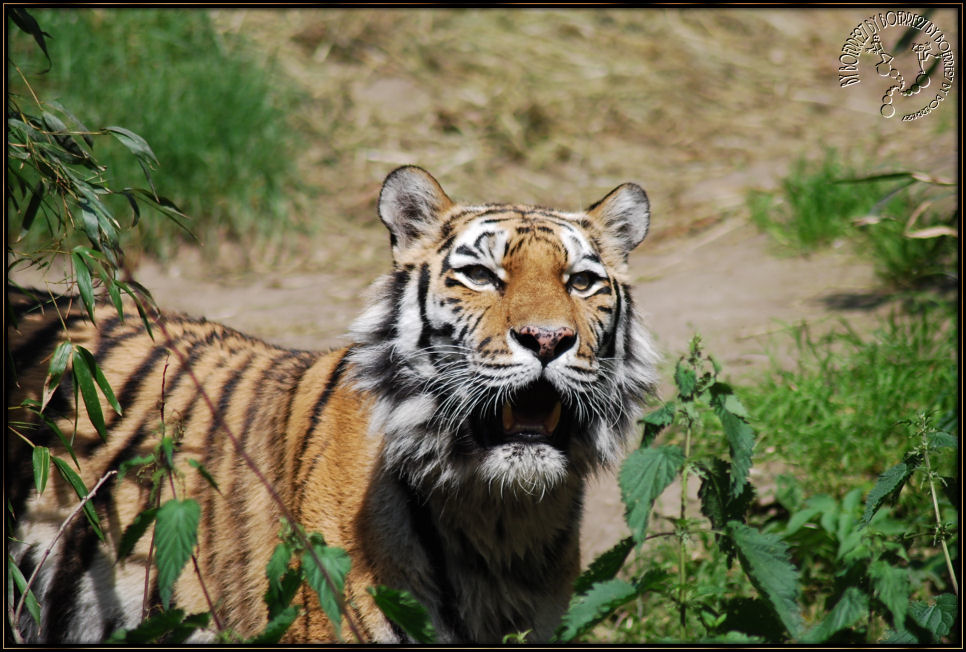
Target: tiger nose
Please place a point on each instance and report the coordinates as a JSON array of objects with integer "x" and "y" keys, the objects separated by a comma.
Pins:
[{"x": 546, "y": 343}]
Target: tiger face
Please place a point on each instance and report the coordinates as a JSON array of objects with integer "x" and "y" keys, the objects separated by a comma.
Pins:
[{"x": 503, "y": 350}]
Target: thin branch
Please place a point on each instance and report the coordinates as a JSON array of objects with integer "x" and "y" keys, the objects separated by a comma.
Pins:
[{"x": 50, "y": 546}]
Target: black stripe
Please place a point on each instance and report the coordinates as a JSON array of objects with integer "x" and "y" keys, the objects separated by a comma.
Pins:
[
  {"x": 40, "y": 342},
  {"x": 423, "y": 291},
  {"x": 135, "y": 382},
  {"x": 432, "y": 544},
  {"x": 320, "y": 404},
  {"x": 608, "y": 345}
]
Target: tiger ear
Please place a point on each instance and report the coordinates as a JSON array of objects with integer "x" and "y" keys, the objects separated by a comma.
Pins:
[
  {"x": 625, "y": 214},
  {"x": 410, "y": 204}
]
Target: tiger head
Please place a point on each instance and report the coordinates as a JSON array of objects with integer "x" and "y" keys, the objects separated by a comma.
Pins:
[{"x": 503, "y": 349}]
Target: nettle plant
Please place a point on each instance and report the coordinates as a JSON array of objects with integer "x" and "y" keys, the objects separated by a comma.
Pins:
[{"x": 861, "y": 584}]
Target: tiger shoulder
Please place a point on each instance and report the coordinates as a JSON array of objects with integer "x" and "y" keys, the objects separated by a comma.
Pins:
[{"x": 445, "y": 448}]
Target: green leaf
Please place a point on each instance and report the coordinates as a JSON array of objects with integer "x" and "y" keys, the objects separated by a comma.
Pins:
[
  {"x": 283, "y": 581},
  {"x": 83, "y": 273},
  {"x": 888, "y": 486},
  {"x": 937, "y": 618},
  {"x": 852, "y": 607},
  {"x": 123, "y": 467},
  {"x": 134, "y": 531},
  {"x": 33, "y": 607},
  {"x": 276, "y": 627},
  {"x": 99, "y": 377},
  {"x": 41, "y": 460},
  {"x": 940, "y": 439},
  {"x": 685, "y": 379},
  {"x": 28, "y": 24},
  {"x": 171, "y": 627},
  {"x": 334, "y": 564},
  {"x": 657, "y": 421},
  {"x": 741, "y": 437},
  {"x": 134, "y": 143},
  {"x": 204, "y": 474},
  {"x": 58, "y": 363},
  {"x": 717, "y": 502},
  {"x": 403, "y": 609},
  {"x": 891, "y": 586},
  {"x": 175, "y": 536},
  {"x": 80, "y": 489},
  {"x": 766, "y": 562},
  {"x": 589, "y": 609},
  {"x": 50, "y": 423},
  {"x": 644, "y": 475},
  {"x": 605, "y": 567},
  {"x": 30, "y": 212},
  {"x": 84, "y": 380}
]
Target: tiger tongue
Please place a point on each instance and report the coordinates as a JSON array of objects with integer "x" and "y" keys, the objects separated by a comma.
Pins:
[{"x": 541, "y": 418}]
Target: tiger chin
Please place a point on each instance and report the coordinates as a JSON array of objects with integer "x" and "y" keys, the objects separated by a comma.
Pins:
[{"x": 445, "y": 448}]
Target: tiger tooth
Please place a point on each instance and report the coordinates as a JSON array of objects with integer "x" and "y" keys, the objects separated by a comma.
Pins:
[
  {"x": 507, "y": 417},
  {"x": 554, "y": 419}
]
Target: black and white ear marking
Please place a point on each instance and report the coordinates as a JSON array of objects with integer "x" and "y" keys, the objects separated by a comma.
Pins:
[
  {"x": 625, "y": 214},
  {"x": 410, "y": 203}
]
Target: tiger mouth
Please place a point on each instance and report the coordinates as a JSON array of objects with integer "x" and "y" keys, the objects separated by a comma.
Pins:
[{"x": 534, "y": 414}]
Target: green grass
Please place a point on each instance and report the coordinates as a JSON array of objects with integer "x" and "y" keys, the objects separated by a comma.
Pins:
[
  {"x": 902, "y": 221},
  {"x": 836, "y": 414},
  {"x": 214, "y": 116}
]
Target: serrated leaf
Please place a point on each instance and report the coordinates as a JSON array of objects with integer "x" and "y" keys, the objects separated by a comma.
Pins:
[
  {"x": 685, "y": 379},
  {"x": 276, "y": 627},
  {"x": 335, "y": 564},
  {"x": 937, "y": 618},
  {"x": 717, "y": 502},
  {"x": 766, "y": 562},
  {"x": 656, "y": 421},
  {"x": 171, "y": 627},
  {"x": 84, "y": 381},
  {"x": 940, "y": 439},
  {"x": 283, "y": 581},
  {"x": 205, "y": 474},
  {"x": 175, "y": 536},
  {"x": 605, "y": 566},
  {"x": 589, "y": 609},
  {"x": 852, "y": 607},
  {"x": 33, "y": 607},
  {"x": 123, "y": 467},
  {"x": 403, "y": 609},
  {"x": 891, "y": 586},
  {"x": 80, "y": 489},
  {"x": 644, "y": 475},
  {"x": 133, "y": 532},
  {"x": 888, "y": 486},
  {"x": 41, "y": 462},
  {"x": 740, "y": 435}
]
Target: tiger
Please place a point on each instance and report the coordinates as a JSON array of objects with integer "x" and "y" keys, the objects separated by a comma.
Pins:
[{"x": 445, "y": 447}]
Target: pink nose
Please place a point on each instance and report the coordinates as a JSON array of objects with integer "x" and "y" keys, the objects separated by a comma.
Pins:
[{"x": 546, "y": 343}]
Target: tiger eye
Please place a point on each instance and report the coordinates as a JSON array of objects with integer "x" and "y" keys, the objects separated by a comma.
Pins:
[
  {"x": 581, "y": 281},
  {"x": 479, "y": 274}
]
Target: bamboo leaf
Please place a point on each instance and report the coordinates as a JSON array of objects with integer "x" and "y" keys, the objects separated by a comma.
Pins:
[
  {"x": 644, "y": 475},
  {"x": 134, "y": 144},
  {"x": 175, "y": 536},
  {"x": 58, "y": 364},
  {"x": 41, "y": 462},
  {"x": 28, "y": 24},
  {"x": 83, "y": 274},
  {"x": 403, "y": 609},
  {"x": 84, "y": 380},
  {"x": 33, "y": 607},
  {"x": 80, "y": 489},
  {"x": 99, "y": 377}
]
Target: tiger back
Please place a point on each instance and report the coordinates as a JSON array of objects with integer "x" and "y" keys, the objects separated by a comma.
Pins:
[{"x": 445, "y": 448}]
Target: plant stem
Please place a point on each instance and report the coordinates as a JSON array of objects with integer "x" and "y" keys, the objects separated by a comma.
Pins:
[
  {"x": 682, "y": 557},
  {"x": 939, "y": 521}
]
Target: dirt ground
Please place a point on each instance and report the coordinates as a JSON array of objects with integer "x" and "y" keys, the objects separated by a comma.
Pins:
[{"x": 710, "y": 104}]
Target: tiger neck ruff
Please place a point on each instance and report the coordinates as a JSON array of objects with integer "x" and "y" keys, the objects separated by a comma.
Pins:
[{"x": 445, "y": 449}]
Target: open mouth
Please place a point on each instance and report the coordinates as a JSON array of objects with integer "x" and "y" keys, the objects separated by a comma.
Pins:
[{"x": 532, "y": 415}]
